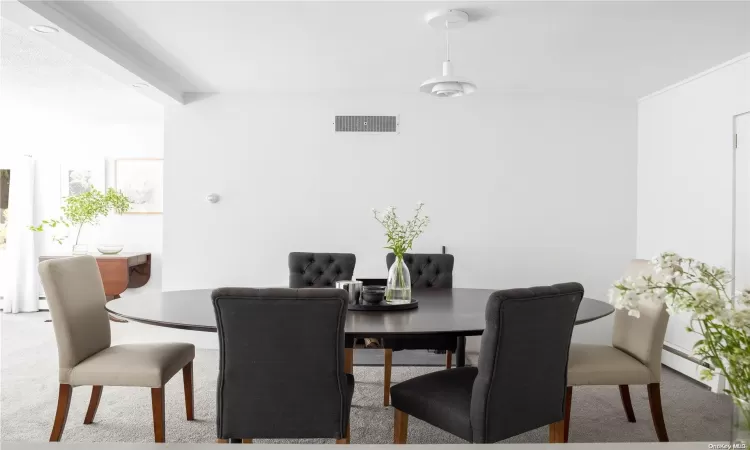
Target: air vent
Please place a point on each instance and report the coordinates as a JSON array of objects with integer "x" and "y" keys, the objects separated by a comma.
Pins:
[{"x": 366, "y": 124}]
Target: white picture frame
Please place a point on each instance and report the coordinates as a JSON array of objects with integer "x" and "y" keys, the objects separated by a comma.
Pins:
[
  {"x": 142, "y": 181},
  {"x": 77, "y": 177}
]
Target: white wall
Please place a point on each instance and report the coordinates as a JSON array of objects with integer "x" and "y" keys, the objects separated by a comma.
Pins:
[
  {"x": 685, "y": 172},
  {"x": 57, "y": 124},
  {"x": 523, "y": 190},
  {"x": 742, "y": 204},
  {"x": 685, "y": 154}
]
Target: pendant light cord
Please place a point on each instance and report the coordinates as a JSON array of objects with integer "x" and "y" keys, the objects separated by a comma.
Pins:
[{"x": 447, "y": 43}]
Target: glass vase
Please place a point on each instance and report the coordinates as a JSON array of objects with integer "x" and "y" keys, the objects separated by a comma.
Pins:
[
  {"x": 741, "y": 424},
  {"x": 398, "y": 287},
  {"x": 80, "y": 249}
]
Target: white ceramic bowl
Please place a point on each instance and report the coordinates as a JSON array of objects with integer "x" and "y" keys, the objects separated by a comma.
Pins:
[{"x": 109, "y": 249}]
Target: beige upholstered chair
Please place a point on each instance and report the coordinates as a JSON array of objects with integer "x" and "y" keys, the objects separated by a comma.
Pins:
[
  {"x": 633, "y": 358},
  {"x": 76, "y": 302}
]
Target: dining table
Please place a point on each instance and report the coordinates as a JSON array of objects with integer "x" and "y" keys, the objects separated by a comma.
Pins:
[{"x": 458, "y": 312}]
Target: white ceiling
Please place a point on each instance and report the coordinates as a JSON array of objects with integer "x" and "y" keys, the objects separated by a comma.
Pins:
[
  {"x": 29, "y": 60},
  {"x": 631, "y": 47},
  {"x": 33, "y": 72},
  {"x": 605, "y": 48}
]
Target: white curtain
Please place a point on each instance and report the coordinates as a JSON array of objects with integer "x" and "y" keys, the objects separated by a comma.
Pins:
[{"x": 21, "y": 285}]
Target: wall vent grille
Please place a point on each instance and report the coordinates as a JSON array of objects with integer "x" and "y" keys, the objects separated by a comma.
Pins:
[{"x": 366, "y": 124}]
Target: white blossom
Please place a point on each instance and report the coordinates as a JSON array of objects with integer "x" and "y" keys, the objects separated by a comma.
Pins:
[{"x": 686, "y": 285}]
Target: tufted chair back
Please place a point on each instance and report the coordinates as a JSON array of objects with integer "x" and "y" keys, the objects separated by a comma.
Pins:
[
  {"x": 427, "y": 270},
  {"x": 319, "y": 270}
]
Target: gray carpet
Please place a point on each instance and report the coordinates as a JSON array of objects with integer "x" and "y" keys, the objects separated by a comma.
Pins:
[{"x": 29, "y": 391}]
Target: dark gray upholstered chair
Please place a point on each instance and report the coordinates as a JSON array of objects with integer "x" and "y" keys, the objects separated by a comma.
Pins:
[
  {"x": 521, "y": 378},
  {"x": 426, "y": 271},
  {"x": 320, "y": 269},
  {"x": 282, "y": 390}
]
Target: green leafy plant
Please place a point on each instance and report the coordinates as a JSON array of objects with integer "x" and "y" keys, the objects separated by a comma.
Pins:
[{"x": 86, "y": 208}]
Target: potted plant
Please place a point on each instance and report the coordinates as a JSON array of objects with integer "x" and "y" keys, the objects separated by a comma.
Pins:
[
  {"x": 85, "y": 208},
  {"x": 400, "y": 238},
  {"x": 720, "y": 317}
]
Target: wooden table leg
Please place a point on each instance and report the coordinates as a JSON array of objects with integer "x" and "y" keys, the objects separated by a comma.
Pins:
[
  {"x": 461, "y": 352},
  {"x": 349, "y": 360},
  {"x": 111, "y": 317}
]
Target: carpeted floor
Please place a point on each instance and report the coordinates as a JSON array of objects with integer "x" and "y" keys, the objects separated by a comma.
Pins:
[{"x": 29, "y": 393}]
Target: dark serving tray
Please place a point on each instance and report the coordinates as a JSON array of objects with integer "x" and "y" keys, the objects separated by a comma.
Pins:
[{"x": 383, "y": 306}]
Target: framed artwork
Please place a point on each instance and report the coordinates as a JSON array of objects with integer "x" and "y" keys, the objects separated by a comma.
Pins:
[
  {"x": 77, "y": 177},
  {"x": 141, "y": 180}
]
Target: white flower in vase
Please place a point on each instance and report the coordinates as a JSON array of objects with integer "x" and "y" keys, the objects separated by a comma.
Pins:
[{"x": 399, "y": 239}]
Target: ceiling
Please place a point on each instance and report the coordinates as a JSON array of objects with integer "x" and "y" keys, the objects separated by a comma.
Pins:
[
  {"x": 605, "y": 48},
  {"x": 35, "y": 72}
]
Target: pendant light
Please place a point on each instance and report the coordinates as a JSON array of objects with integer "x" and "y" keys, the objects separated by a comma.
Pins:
[{"x": 448, "y": 85}]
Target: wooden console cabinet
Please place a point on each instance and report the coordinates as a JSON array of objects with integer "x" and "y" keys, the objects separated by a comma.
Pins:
[{"x": 119, "y": 272}]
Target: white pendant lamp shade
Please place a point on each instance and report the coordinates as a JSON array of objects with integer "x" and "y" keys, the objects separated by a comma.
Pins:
[{"x": 448, "y": 85}]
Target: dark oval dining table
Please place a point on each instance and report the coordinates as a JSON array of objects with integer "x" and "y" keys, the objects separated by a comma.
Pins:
[{"x": 456, "y": 312}]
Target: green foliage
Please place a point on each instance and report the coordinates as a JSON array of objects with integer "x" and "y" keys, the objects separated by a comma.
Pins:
[
  {"x": 86, "y": 208},
  {"x": 89, "y": 206},
  {"x": 400, "y": 237}
]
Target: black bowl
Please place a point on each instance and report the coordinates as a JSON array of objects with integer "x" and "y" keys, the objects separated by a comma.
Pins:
[
  {"x": 373, "y": 288},
  {"x": 373, "y": 298}
]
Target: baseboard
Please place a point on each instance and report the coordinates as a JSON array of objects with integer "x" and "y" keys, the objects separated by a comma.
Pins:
[
  {"x": 679, "y": 360},
  {"x": 43, "y": 306}
]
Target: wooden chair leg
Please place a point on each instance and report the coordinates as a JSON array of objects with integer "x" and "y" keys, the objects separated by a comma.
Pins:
[
  {"x": 448, "y": 359},
  {"x": 157, "y": 406},
  {"x": 654, "y": 401},
  {"x": 348, "y": 438},
  {"x": 247, "y": 441},
  {"x": 222, "y": 441},
  {"x": 388, "y": 357},
  {"x": 187, "y": 381},
  {"x": 96, "y": 395},
  {"x": 626, "y": 403},
  {"x": 400, "y": 426},
  {"x": 61, "y": 416},
  {"x": 557, "y": 432},
  {"x": 568, "y": 406},
  {"x": 349, "y": 360}
]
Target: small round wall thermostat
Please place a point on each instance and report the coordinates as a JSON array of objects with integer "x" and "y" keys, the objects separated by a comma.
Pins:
[{"x": 213, "y": 198}]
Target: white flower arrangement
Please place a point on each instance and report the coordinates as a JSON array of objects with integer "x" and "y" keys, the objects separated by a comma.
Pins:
[
  {"x": 400, "y": 237},
  {"x": 721, "y": 318}
]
